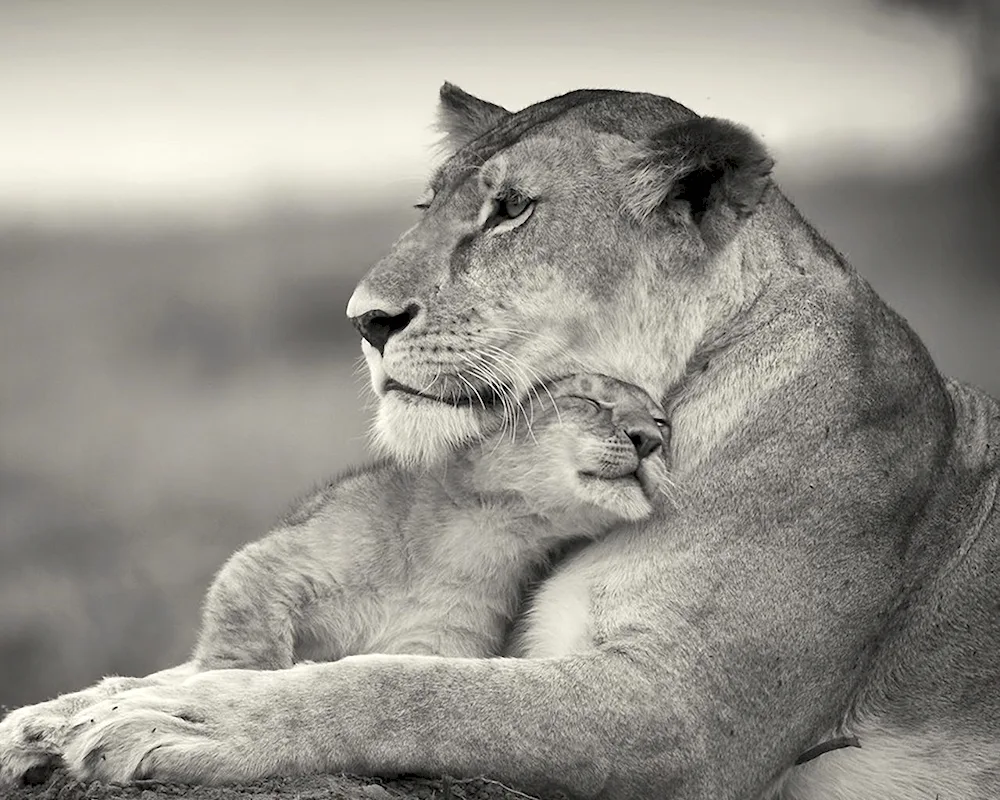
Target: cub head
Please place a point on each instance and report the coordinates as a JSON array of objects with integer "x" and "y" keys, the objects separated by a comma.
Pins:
[
  {"x": 595, "y": 232},
  {"x": 595, "y": 445}
]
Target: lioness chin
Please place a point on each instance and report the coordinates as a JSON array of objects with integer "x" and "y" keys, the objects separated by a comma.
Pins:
[{"x": 830, "y": 573}]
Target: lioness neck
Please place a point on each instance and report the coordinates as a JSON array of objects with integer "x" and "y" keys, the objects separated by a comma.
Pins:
[{"x": 806, "y": 320}]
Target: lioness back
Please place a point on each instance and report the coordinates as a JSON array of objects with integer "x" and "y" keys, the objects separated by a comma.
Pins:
[{"x": 407, "y": 560}]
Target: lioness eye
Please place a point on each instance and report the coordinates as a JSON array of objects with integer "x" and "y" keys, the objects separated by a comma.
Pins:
[
  {"x": 660, "y": 422},
  {"x": 506, "y": 212},
  {"x": 424, "y": 201},
  {"x": 514, "y": 205}
]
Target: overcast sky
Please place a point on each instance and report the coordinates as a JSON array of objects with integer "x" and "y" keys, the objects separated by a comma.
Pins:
[{"x": 130, "y": 103}]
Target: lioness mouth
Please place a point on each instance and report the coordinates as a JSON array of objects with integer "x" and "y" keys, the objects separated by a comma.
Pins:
[
  {"x": 485, "y": 396},
  {"x": 592, "y": 477}
]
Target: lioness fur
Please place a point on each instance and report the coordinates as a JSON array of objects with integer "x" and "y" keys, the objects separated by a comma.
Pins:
[{"x": 832, "y": 570}]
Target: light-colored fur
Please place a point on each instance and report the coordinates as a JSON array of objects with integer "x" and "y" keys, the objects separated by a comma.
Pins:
[{"x": 831, "y": 569}]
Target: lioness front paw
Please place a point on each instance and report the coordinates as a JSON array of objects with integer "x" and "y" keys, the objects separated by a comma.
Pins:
[
  {"x": 31, "y": 743},
  {"x": 198, "y": 731},
  {"x": 127, "y": 738},
  {"x": 32, "y": 739}
]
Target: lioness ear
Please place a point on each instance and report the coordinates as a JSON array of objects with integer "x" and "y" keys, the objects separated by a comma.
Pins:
[
  {"x": 463, "y": 117},
  {"x": 705, "y": 171}
]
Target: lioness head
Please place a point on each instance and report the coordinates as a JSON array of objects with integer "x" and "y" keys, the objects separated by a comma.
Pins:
[
  {"x": 593, "y": 232},
  {"x": 591, "y": 444}
]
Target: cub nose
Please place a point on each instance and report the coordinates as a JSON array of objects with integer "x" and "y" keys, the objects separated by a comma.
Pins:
[
  {"x": 377, "y": 326},
  {"x": 646, "y": 437}
]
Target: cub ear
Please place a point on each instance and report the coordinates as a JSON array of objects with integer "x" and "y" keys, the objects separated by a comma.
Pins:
[
  {"x": 463, "y": 117},
  {"x": 709, "y": 172}
]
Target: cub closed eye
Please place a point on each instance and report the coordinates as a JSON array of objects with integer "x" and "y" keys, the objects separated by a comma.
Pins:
[{"x": 590, "y": 400}]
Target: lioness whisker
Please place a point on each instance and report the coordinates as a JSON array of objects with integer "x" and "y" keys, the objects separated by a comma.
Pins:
[
  {"x": 511, "y": 363},
  {"x": 482, "y": 371},
  {"x": 475, "y": 391},
  {"x": 558, "y": 350},
  {"x": 535, "y": 378},
  {"x": 426, "y": 389},
  {"x": 526, "y": 334},
  {"x": 497, "y": 383},
  {"x": 506, "y": 362},
  {"x": 531, "y": 393},
  {"x": 361, "y": 366}
]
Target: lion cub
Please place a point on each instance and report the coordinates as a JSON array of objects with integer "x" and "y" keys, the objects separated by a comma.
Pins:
[{"x": 396, "y": 560}]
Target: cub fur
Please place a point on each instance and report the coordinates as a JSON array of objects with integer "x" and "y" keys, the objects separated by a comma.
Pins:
[{"x": 433, "y": 561}]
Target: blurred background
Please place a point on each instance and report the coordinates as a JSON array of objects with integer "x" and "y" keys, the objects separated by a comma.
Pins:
[{"x": 189, "y": 190}]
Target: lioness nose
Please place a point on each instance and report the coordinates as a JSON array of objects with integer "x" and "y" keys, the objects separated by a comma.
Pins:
[
  {"x": 377, "y": 326},
  {"x": 646, "y": 437}
]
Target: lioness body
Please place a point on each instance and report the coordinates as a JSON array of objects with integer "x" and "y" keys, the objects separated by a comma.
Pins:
[
  {"x": 434, "y": 561},
  {"x": 831, "y": 570}
]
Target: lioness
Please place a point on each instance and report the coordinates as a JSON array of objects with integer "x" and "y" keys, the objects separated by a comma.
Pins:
[{"x": 832, "y": 571}]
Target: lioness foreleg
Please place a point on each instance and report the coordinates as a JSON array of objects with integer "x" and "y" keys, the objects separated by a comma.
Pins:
[{"x": 588, "y": 724}]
